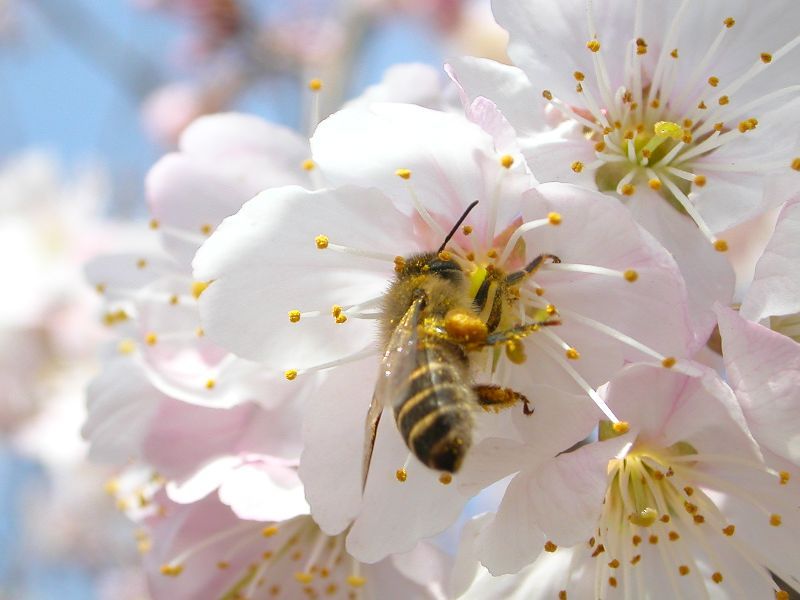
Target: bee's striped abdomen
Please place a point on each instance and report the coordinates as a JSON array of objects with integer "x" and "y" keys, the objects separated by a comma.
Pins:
[{"x": 434, "y": 411}]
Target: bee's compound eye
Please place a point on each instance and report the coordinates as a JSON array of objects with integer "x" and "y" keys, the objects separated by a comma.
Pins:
[{"x": 446, "y": 269}]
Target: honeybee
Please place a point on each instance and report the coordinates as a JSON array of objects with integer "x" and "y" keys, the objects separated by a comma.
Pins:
[{"x": 433, "y": 316}]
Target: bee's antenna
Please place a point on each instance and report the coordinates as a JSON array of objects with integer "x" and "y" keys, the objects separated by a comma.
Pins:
[{"x": 456, "y": 226}]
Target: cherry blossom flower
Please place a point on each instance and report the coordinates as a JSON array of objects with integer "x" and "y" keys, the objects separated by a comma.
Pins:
[
  {"x": 338, "y": 251},
  {"x": 206, "y": 547},
  {"x": 679, "y": 105},
  {"x": 682, "y": 505}
]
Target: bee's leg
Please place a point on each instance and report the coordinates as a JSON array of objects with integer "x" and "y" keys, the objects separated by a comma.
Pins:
[
  {"x": 496, "y": 398},
  {"x": 530, "y": 268},
  {"x": 517, "y": 333}
]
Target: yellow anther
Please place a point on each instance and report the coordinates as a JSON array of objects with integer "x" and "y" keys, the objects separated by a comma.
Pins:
[
  {"x": 550, "y": 309},
  {"x": 336, "y": 310},
  {"x": 304, "y": 577},
  {"x": 612, "y": 581},
  {"x": 269, "y": 530},
  {"x": 577, "y": 166},
  {"x": 198, "y": 287},
  {"x": 554, "y": 218},
  {"x": 630, "y": 275},
  {"x": 628, "y": 189},
  {"x": 550, "y": 546},
  {"x": 700, "y": 180},
  {"x": 664, "y": 518},
  {"x": 699, "y": 519},
  {"x": 674, "y": 53},
  {"x": 628, "y": 135},
  {"x": 467, "y": 229},
  {"x": 636, "y": 540},
  {"x": 153, "y": 224},
  {"x": 674, "y": 536},
  {"x": 784, "y": 477},
  {"x": 547, "y": 94},
  {"x": 655, "y": 184},
  {"x": 636, "y": 559},
  {"x": 653, "y": 539},
  {"x": 599, "y": 146},
  {"x": 100, "y": 288},
  {"x": 294, "y": 316},
  {"x": 171, "y": 570},
  {"x": 222, "y": 565},
  {"x": 492, "y": 253},
  {"x": 266, "y": 555},
  {"x": 315, "y": 85},
  {"x": 199, "y": 332},
  {"x": 729, "y": 22},
  {"x": 668, "y": 362},
  {"x": 341, "y": 319},
  {"x": 126, "y": 347},
  {"x": 687, "y": 138},
  {"x": 578, "y": 76},
  {"x": 211, "y": 384},
  {"x": 775, "y": 520},
  {"x": 721, "y": 246},
  {"x": 539, "y": 291},
  {"x": 719, "y": 126},
  {"x": 702, "y": 105},
  {"x": 641, "y": 46},
  {"x": 308, "y": 164},
  {"x": 621, "y": 427},
  {"x": 321, "y": 241},
  {"x": 562, "y": 595},
  {"x": 445, "y": 478},
  {"x": 141, "y": 263},
  {"x": 723, "y": 100},
  {"x": 795, "y": 165},
  {"x": 655, "y": 103},
  {"x": 150, "y": 338},
  {"x": 593, "y": 45},
  {"x": 572, "y": 354},
  {"x": 614, "y": 564},
  {"x": 683, "y": 570},
  {"x": 403, "y": 173},
  {"x": 579, "y": 88},
  {"x": 713, "y": 81},
  {"x": 355, "y": 581},
  {"x": 668, "y": 129},
  {"x": 507, "y": 160},
  {"x": 291, "y": 374},
  {"x": 716, "y": 577},
  {"x": 781, "y": 595},
  {"x": 206, "y": 229}
]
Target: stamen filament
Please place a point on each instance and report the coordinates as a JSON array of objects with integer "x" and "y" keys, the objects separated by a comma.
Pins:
[
  {"x": 689, "y": 207},
  {"x": 361, "y": 252},
  {"x": 512, "y": 241}
]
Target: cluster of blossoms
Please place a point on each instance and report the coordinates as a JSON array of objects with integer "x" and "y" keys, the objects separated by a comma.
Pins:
[{"x": 629, "y": 406}]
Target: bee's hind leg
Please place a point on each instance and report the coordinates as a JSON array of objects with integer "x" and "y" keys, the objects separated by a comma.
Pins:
[{"x": 496, "y": 398}]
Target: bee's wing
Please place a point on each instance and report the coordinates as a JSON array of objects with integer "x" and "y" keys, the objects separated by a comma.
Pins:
[{"x": 396, "y": 364}]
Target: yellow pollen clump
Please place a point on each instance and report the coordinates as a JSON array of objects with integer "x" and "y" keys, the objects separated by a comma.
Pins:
[
  {"x": 304, "y": 577},
  {"x": 572, "y": 354},
  {"x": 775, "y": 520},
  {"x": 206, "y": 229},
  {"x": 126, "y": 347},
  {"x": 210, "y": 384},
  {"x": 153, "y": 224},
  {"x": 550, "y": 309},
  {"x": 223, "y": 565},
  {"x": 547, "y": 94},
  {"x": 321, "y": 241},
  {"x": 445, "y": 478},
  {"x": 674, "y": 536},
  {"x": 721, "y": 246},
  {"x": 729, "y": 22},
  {"x": 713, "y": 81},
  {"x": 621, "y": 427},
  {"x": 464, "y": 326},
  {"x": 141, "y": 263},
  {"x": 294, "y": 316},
  {"x": 723, "y": 100},
  {"x": 269, "y": 530},
  {"x": 401, "y": 475},
  {"x": 515, "y": 352},
  {"x": 198, "y": 287},
  {"x": 578, "y": 76},
  {"x": 593, "y": 45},
  {"x": 291, "y": 374},
  {"x": 630, "y": 275},
  {"x": 151, "y": 338},
  {"x": 700, "y": 180},
  {"x": 628, "y": 189},
  {"x": 554, "y": 218},
  {"x": 355, "y": 581},
  {"x": 550, "y": 546},
  {"x": 668, "y": 362},
  {"x": 171, "y": 570},
  {"x": 716, "y": 577},
  {"x": 403, "y": 173},
  {"x": 507, "y": 160},
  {"x": 315, "y": 85},
  {"x": 683, "y": 570},
  {"x": 784, "y": 476},
  {"x": 674, "y": 53},
  {"x": 308, "y": 164},
  {"x": 577, "y": 166},
  {"x": 795, "y": 165},
  {"x": 668, "y": 129}
]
